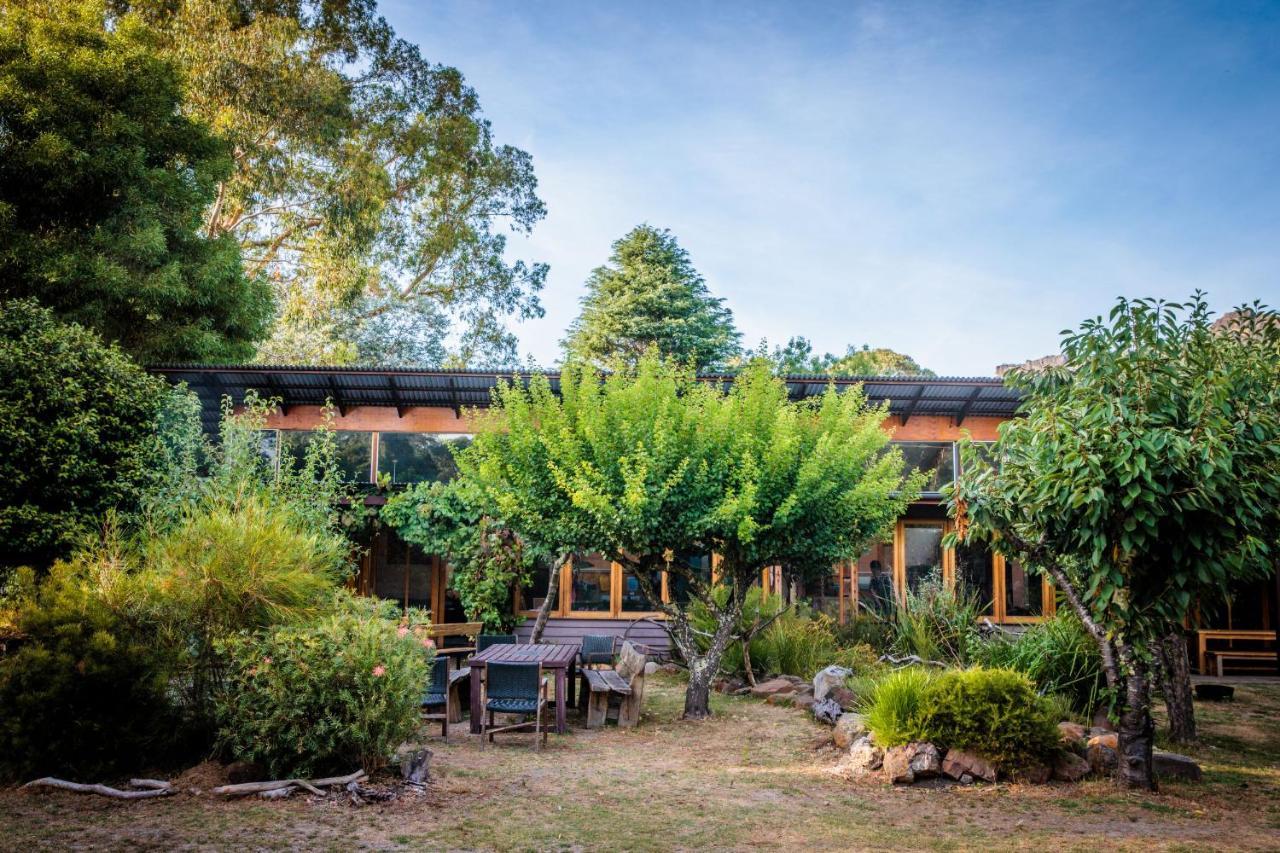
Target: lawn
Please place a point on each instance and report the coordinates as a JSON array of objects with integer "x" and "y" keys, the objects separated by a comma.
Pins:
[{"x": 754, "y": 776}]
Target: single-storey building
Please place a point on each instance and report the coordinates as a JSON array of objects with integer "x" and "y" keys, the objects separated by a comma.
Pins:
[{"x": 397, "y": 424}]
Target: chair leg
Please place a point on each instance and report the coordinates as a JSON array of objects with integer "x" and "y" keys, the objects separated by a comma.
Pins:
[{"x": 444, "y": 724}]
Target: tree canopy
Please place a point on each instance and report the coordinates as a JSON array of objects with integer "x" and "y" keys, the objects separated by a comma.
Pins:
[
  {"x": 650, "y": 295},
  {"x": 798, "y": 357},
  {"x": 1143, "y": 475},
  {"x": 647, "y": 464},
  {"x": 365, "y": 182},
  {"x": 103, "y": 186}
]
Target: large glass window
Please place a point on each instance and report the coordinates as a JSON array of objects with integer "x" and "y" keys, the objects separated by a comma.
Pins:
[
  {"x": 633, "y": 597},
  {"x": 935, "y": 458},
  {"x": 923, "y": 553},
  {"x": 354, "y": 451},
  {"x": 591, "y": 584},
  {"x": 874, "y": 573},
  {"x": 534, "y": 592},
  {"x": 1023, "y": 592},
  {"x": 975, "y": 575},
  {"x": 402, "y": 573},
  {"x": 415, "y": 457},
  {"x": 699, "y": 565}
]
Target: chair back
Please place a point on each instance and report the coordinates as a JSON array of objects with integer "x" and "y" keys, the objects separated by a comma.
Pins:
[
  {"x": 597, "y": 648},
  {"x": 484, "y": 641},
  {"x": 513, "y": 681},
  {"x": 438, "y": 684}
]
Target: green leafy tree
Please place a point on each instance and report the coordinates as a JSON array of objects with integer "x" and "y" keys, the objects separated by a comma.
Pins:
[
  {"x": 366, "y": 184},
  {"x": 650, "y": 295},
  {"x": 1143, "y": 476},
  {"x": 798, "y": 357},
  {"x": 647, "y": 463},
  {"x": 78, "y": 422},
  {"x": 103, "y": 185}
]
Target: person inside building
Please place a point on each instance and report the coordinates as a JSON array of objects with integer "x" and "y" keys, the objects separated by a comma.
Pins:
[{"x": 881, "y": 589}]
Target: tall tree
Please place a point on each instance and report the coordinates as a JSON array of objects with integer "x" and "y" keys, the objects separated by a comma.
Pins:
[
  {"x": 1144, "y": 477},
  {"x": 103, "y": 185},
  {"x": 367, "y": 185},
  {"x": 798, "y": 357},
  {"x": 650, "y": 295},
  {"x": 649, "y": 464}
]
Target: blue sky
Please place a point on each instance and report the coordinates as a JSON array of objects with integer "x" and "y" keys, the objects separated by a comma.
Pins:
[{"x": 958, "y": 181}]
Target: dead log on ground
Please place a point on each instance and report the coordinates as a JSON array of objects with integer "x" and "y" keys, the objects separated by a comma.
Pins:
[
  {"x": 310, "y": 784},
  {"x": 154, "y": 788}
]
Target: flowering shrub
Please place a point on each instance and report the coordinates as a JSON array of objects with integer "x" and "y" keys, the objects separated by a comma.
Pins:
[{"x": 335, "y": 694}]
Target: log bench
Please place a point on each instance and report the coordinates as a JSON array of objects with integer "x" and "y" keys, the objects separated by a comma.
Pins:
[
  {"x": 624, "y": 684},
  {"x": 1221, "y": 656},
  {"x": 459, "y": 692}
]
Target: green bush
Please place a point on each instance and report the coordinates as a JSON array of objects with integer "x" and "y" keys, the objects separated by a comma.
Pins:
[
  {"x": 936, "y": 623},
  {"x": 1058, "y": 655},
  {"x": 993, "y": 712},
  {"x": 892, "y": 705},
  {"x": 85, "y": 695},
  {"x": 333, "y": 695}
]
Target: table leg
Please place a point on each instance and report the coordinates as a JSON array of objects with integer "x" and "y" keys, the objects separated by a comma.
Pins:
[
  {"x": 561, "y": 693},
  {"x": 573, "y": 681},
  {"x": 477, "y": 707},
  {"x": 1204, "y": 664}
]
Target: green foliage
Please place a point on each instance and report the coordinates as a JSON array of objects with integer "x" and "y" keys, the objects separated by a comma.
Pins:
[
  {"x": 798, "y": 357},
  {"x": 993, "y": 712},
  {"x": 649, "y": 295},
  {"x": 85, "y": 694},
  {"x": 77, "y": 424},
  {"x": 488, "y": 559},
  {"x": 1058, "y": 655},
  {"x": 892, "y": 706},
  {"x": 103, "y": 189},
  {"x": 367, "y": 185},
  {"x": 332, "y": 695},
  {"x": 936, "y": 623}
]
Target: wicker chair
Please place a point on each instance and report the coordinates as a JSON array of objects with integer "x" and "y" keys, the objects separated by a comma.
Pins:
[
  {"x": 514, "y": 688},
  {"x": 437, "y": 695},
  {"x": 596, "y": 649},
  {"x": 484, "y": 641}
]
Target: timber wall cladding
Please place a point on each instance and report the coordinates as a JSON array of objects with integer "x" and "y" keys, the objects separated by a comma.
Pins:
[{"x": 444, "y": 420}]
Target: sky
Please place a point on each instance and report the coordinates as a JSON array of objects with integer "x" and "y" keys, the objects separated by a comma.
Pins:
[{"x": 957, "y": 181}]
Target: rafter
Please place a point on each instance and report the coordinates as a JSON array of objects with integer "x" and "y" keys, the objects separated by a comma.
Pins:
[{"x": 968, "y": 404}]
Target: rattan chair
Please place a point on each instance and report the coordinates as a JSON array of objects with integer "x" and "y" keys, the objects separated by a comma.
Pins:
[
  {"x": 596, "y": 649},
  {"x": 484, "y": 641},
  {"x": 514, "y": 688},
  {"x": 437, "y": 695}
]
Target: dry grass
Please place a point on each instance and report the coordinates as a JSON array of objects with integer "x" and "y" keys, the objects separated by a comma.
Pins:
[{"x": 756, "y": 776}]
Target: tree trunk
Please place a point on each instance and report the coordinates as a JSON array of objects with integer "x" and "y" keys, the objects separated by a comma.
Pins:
[
  {"x": 1136, "y": 730},
  {"x": 703, "y": 668},
  {"x": 1175, "y": 683},
  {"x": 548, "y": 603},
  {"x": 746, "y": 662}
]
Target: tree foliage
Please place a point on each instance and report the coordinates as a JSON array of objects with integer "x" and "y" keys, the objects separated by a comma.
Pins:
[
  {"x": 650, "y": 295},
  {"x": 798, "y": 357},
  {"x": 103, "y": 185},
  {"x": 366, "y": 183},
  {"x": 1144, "y": 475},
  {"x": 648, "y": 463}
]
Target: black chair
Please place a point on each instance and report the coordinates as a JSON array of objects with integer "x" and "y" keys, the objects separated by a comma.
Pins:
[
  {"x": 437, "y": 694},
  {"x": 515, "y": 688},
  {"x": 596, "y": 649},
  {"x": 484, "y": 641}
]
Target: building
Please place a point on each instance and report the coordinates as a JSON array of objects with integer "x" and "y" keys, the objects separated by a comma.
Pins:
[{"x": 397, "y": 424}]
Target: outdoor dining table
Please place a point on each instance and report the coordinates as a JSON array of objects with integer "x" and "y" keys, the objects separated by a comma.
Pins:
[{"x": 560, "y": 658}]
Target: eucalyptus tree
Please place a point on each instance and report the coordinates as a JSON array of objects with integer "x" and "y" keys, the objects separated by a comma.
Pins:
[
  {"x": 1144, "y": 477},
  {"x": 798, "y": 357},
  {"x": 647, "y": 463}
]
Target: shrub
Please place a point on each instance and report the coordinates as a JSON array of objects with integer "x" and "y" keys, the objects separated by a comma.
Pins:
[
  {"x": 85, "y": 694},
  {"x": 993, "y": 712},
  {"x": 336, "y": 694},
  {"x": 936, "y": 623},
  {"x": 1058, "y": 655},
  {"x": 892, "y": 705}
]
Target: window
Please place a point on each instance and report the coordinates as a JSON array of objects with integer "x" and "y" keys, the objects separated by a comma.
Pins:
[
  {"x": 824, "y": 592},
  {"x": 1023, "y": 592},
  {"x": 975, "y": 576},
  {"x": 874, "y": 577},
  {"x": 633, "y": 598},
  {"x": 922, "y": 547},
  {"x": 402, "y": 573},
  {"x": 414, "y": 457},
  {"x": 935, "y": 458},
  {"x": 534, "y": 593},
  {"x": 354, "y": 451},
  {"x": 699, "y": 565},
  {"x": 269, "y": 447},
  {"x": 591, "y": 584}
]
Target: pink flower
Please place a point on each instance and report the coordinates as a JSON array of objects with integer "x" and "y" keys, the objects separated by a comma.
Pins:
[
  {"x": 402, "y": 630},
  {"x": 428, "y": 643},
  {"x": 253, "y": 671},
  {"x": 379, "y": 671},
  {"x": 266, "y": 661}
]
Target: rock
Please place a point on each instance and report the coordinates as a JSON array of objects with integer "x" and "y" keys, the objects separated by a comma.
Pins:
[
  {"x": 742, "y": 691},
  {"x": 782, "y": 698},
  {"x": 959, "y": 763},
  {"x": 415, "y": 765},
  {"x": 827, "y": 711},
  {"x": 650, "y": 667},
  {"x": 965, "y": 779},
  {"x": 844, "y": 697},
  {"x": 927, "y": 761},
  {"x": 865, "y": 757},
  {"x": 1070, "y": 733},
  {"x": 1215, "y": 692},
  {"x": 848, "y": 729},
  {"x": 772, "y": 686},
  {"x": 828, "y": 679},
  {"x": 239, "y": 772},
  {"x": 803, "y": 701},
  {"x": 1070, "y": 768},
  {"x": 1102, "y": 759},
  {"x": 728, "y": 685},
  {"x": 804, "y": 689},
  {"x": 1171, "y": 765},
  {"x": 1102, "y": 721},
  {"x": 1110, "y": 740},
  {"x": 670, "y": 668},
  {"x": 794, "y": 679},
  {"x": 1036, "y": 774},
  {"x": 897, "y": 764}
]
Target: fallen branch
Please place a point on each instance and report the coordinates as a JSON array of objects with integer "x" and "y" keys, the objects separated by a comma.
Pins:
[
  {"x": 910, "y": 660},
  {"x": 278, "y": 793},
  {"x": 310, "y": 784},
  {"x": 154, "y": 788}
]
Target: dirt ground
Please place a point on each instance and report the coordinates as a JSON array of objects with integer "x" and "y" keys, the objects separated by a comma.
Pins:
[{"x": 756, "y": 776}]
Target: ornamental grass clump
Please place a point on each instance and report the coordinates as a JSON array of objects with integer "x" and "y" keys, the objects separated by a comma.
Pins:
[
  {"x": 893, "y": 705},
  {"x": 1058, "y": 655},
  {"x": 331, "y": 695}
]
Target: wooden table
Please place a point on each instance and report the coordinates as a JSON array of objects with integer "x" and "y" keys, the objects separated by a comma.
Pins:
[
  {"x": 1215, "y": 634},
  {"x": 560, "y": 658}
]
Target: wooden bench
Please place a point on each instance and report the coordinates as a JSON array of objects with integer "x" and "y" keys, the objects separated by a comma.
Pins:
[
  {"x": 1232, "y": 636},
  {"x": 1220, "y": 656},
  {"x": 459, "y": 692},
  {"x": 438, "y": 632},
  {"x": 626, "y": 684}
]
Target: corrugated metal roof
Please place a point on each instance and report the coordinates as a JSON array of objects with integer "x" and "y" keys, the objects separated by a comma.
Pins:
[{"x": 404, "y": 388}]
